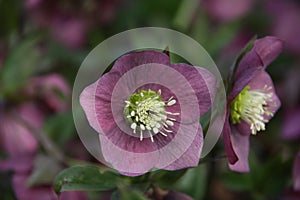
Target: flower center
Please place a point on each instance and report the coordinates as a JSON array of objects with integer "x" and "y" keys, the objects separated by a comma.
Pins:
[
  {"x": 252, "y": 107},
  {"x": 145, "y": 111}
]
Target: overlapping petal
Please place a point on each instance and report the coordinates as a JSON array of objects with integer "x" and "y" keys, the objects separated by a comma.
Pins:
[
  {"x": 250, "y": 72},
  {"x": 103, "y": 103},
  {"x": 263, "y": 52}
]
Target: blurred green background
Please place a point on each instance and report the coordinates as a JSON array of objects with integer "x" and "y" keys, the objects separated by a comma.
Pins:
[{"x": 43, "y": 42}]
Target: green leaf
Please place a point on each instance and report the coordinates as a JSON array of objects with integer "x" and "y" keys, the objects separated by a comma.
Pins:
[
  {"x": 165, "y": 178},
  {"x": 85, "y": 178},
  {"x": 221, "y": 37},
  {"x": 185, "y": 14},
  {"x": 9, "y": 14},
  {"x": 193, "y": 182},
  {"x": 60, "y": 128},
  {"x": 237, "y": 181},
  {"x": 19, "y": 66}
]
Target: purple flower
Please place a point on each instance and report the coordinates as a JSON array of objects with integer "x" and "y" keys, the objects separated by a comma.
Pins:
[
  {"x": 285, "y": 14},
  {"x": 147, "y": 112},
  {"x": 290, "y": 125},
  {"x": 296, "y": 172},
  {"x": 52, "y": 89},
  {"x": 252, "y": 101},
  {"x": 69, "y": 23},
  {"x": 229, "y": 10},
  {"x": 16, "y": 139}
]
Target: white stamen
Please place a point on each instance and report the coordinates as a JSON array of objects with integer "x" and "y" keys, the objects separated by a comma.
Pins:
[
  {"x": 148, "y": 112},
  {"x": 133, "y": 126},
  {"x": 252, "y": 107},
  {"x": 163, "y": 133},
  {"x": 155, "y": 130},
  {"x": 142, "y": 127},
  {"x": 172, "y": 113},
  {"x": 132, "y": 113},
  {"x": 151, "y": 137},
  {"x": 141, "y": 135},
  {"x": 170, "y": 123},
  {"x": 171, "y": 103},
  {"x": 169, "y": 131}
]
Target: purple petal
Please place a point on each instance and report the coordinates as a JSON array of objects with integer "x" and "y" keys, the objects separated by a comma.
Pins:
[
  {"x": 87, "y": 101},
  {"x": 268, "y": 48},
  {"x": 135, "y": 59},
  {"x": 296, "y": 172},
  {"x": 264, "y": 51},
  {"x": 133, "y": 163},
  {"x": 125, "y": 162},
  {"x": 261, "y": 80},
  {"x": 16, "y": 139},
  {"x": 243, "y": 128},
  {"x": 231, "y": 155},
  {"x": 247, "y": 69},
  {"x": 291, "y": 125},
  {"x": 191, "y": 157},
  {"x": 48, "y": 88},
  {"x": 240, "y": 145},
  {"x": 22, "y": 192},
  {"x": 21, "y": 164},
  {"x": 202, "y": 82}
]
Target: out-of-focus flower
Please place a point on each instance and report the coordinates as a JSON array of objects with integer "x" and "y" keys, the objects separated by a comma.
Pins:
[
  {"x": 285, "y": 14},
  {"x": 296, "y": 172},
  {"x": 17, "y": 137},
  {"x": 290, "y": 125},
  {"x": 289, "y": 92},
  {"x": 51, "y": 89},
  {"x": 225, "y": 11},
  {"x": 147, "y": 112},
  {"x": 252, "y": 101},
  {"x": 70, "y": 22}
]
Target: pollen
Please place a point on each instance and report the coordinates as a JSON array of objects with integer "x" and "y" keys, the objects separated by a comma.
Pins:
[
  {"x": 252, "y": 106},
  {"x": 146, "y": 111}
]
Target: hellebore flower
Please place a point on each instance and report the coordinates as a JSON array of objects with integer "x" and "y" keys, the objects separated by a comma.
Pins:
[
  {"x": 252, "y": 101},
  {"x": 146, "y": 111},
  {"x": 296, "y": 172}
]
